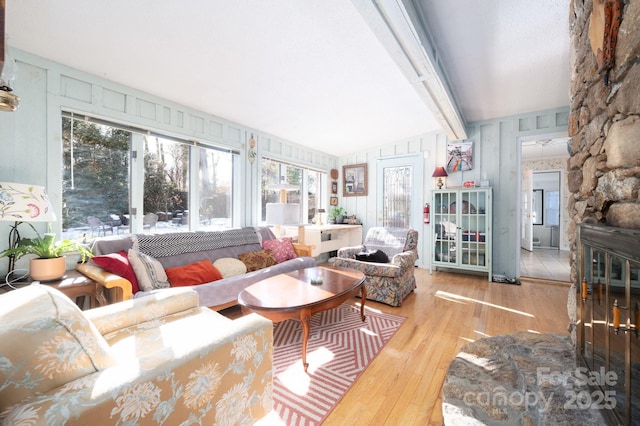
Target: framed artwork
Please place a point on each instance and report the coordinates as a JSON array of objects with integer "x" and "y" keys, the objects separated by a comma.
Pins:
[
  {"x": 459, "y": 157},
  {"x": 333, "y": 201},
  {"x": 354, "y": 180},
  {"x": 334, "y": 187}
]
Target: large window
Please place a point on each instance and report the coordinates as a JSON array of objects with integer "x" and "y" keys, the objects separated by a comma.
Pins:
[
  {"x": 95, "y": 178},
  {"x": 166, "y": 184},
  {"x": 99, "y": 193},
  {"x": 306, "y": 187},
  {"x": 215, "y": 189}
]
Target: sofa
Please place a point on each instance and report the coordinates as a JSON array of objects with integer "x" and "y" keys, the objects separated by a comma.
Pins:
[
  {"x": 158, "y": 252},
  {"x": 161, "y": 359},
  {"x": 390, "y": 282}
]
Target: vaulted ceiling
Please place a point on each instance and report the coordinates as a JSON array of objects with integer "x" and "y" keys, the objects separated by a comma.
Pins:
[{"x": 330, "y": 74}]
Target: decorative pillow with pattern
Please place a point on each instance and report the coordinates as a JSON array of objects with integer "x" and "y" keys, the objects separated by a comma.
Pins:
[
  {"x": 282, "y": 248},
  {"x": 149, "y": 271},
  {"x": 257, "y": 259}
]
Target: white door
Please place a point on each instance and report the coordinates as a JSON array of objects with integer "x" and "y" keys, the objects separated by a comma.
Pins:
[
  {"x": 398, "y": 199},
  {"x": 526, "y": 233}
]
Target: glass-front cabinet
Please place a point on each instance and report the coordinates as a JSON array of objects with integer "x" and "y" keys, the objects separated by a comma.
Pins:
[{"x": 461, "y": 229}]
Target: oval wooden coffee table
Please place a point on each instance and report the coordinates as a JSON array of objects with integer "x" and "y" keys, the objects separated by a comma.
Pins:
[{"x": 294, "y": 296}]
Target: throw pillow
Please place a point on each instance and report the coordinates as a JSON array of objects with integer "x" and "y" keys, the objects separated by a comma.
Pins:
[
  {"x": 193, "y": 274},
  {"x": 149, "y": 272},
  {"x": 229, "y": 266},
  {"x": 282, "y": 248},
  {"x": 46, "y": 342},
  {"x": 118, "y": 263},
  {"x": 257, "y": 259},
  {"x": 376, "y": 256}
]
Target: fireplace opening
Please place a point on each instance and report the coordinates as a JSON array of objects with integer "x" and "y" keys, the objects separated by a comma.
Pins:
[{"x": 608, "y": 317}]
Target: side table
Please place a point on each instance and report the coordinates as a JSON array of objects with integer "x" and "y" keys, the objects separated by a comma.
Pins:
[{"x": 76, "y": 286}]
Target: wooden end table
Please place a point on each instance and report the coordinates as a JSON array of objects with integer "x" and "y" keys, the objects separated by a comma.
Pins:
[
  {"x": 74, "y": 285},
  {"x": 294, "y": 296}
]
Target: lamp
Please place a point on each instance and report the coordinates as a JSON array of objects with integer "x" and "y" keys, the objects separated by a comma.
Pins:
[
  {"x": 439, "y": 173},
  {"x": 320, "y": 213},
  {"x": 8, "y": 101},
  {"x": 283, "y": 214},
  {"x": 20, "y": 202}
]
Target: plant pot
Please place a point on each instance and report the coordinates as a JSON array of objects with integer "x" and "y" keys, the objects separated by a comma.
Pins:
[{"x": 47, "y": 269}]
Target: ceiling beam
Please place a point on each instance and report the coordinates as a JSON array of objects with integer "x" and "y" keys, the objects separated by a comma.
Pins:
[{"x": 411, "y": 47}]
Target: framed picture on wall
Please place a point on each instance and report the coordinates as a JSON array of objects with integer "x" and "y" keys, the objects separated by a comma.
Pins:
[
  {"x": 334, "y": 187},
  {"x": 354, "y": 180},
  {"x": 333, "y": 201},
  {"x": 459, "y": 156}
]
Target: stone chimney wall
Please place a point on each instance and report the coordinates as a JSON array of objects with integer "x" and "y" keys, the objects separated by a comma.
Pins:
[{"x": 604, "y": 124}]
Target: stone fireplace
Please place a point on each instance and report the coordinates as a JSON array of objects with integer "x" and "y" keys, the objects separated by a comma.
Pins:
[
  {"x": 604, "y": 181},
  {"x": 604, "y": 206}
]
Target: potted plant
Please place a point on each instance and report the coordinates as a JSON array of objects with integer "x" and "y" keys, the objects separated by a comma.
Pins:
[
  {"x": 337, "y": 214},
  {"x": 50, "y": 262}
]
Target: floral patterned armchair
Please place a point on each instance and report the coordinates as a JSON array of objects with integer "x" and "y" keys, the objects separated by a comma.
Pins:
[
  {"x": 389, "y": 282},
  {"x": 160, "y": 359}
]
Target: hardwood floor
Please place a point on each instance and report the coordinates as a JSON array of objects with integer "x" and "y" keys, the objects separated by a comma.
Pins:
[
  {"x": 402, "y": 385},
  {"x": 546, "y": 263}
]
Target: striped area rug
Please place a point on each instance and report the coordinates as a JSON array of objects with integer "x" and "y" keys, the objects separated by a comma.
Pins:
[{"x": 340, "y": 348}]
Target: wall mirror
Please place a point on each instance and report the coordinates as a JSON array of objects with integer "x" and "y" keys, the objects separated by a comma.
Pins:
[{"x": 537, "y": 206}]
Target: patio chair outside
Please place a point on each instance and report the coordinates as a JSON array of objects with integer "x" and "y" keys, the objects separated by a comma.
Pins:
[
  {"x": 149, "y": 221},
  {"x": 97, "y": 226}
]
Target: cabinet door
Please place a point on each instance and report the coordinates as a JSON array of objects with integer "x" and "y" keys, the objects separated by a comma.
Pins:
[
  {"x": 445, "y": 228},
  {"x": 471, "y": 209}
]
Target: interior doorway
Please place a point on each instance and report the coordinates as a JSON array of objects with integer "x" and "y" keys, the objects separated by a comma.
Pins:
[
  {"x": 543, "y": 195},
  {"x": 545, "y": 205}
]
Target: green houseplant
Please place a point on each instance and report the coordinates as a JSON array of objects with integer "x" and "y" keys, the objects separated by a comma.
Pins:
[
  {"x": 49, "y": 262},
  {"x": 337, "y": 214}
]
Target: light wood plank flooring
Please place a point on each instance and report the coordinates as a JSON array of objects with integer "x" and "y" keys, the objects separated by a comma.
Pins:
[
  {"x": 545, "y": 263},
  {"x": 402, "y": 385}
]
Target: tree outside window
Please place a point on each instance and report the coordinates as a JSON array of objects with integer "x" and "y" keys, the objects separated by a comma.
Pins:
[{"x": 97, "y": 187}]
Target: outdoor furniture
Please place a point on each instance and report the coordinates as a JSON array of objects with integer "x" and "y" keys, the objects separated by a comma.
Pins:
[
  {"x": 97, "y": 226},
  {"x": 115, "y": 223},
  {"x": 149, "y": 221}
]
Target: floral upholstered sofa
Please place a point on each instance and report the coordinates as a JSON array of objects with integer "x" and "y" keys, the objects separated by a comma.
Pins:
[
  {"x": 157, "y": 360},
  {"x": 388, "y": 282}
]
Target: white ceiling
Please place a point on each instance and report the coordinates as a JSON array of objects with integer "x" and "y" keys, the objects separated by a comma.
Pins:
[
  {"x": 545, "y": 149},
  {"x": 311, "y": 71},
  {"x": 503, "y": 57}
]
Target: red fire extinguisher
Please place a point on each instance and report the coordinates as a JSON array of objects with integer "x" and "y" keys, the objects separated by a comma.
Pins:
[{"x": 426, "y": 213}]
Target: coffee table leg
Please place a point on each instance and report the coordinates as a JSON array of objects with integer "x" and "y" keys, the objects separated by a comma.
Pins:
[
  {"x": 363, "y": 291},
  {"x": 304, "y": 319}
]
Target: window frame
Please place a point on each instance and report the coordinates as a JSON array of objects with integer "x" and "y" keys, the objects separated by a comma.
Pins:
[
  {"x": 322, "y": 186},
  {"x": 136, "y": 169}
]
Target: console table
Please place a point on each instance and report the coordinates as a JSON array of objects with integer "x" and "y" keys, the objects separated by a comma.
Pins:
[{"x": 326, "y": 238}]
